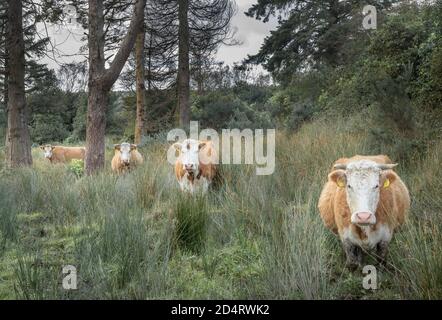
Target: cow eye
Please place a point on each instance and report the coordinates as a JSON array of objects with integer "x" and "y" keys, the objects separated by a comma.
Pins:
[
  {"x": 349, "y": 186},
  {"x": 377, "y": 186}
]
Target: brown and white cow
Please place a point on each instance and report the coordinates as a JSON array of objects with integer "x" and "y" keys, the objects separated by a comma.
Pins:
[
  {"x": 59, "y": 154},
  {"x": 126, "y": 157},
  {"x": 364, "y": 201},
  {"x": 196, "y": 166}
]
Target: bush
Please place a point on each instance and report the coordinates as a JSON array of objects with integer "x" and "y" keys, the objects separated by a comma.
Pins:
[
  {"x": 215, "y": 109},
  {"x": 191, "y": 222},
  {"x": 77, "y": 167},
  {"x": 48, "y": 128}
]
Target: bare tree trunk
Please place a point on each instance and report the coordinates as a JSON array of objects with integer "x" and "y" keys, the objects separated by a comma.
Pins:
[
  {"x": 5, "y": 87},
  {"x": 183, "y": 64},
  {"x": 102, "y": 80},
  {"x": 149, "y": 98},
  {"x": 18, "y": 141},
  {"x": 98, "y": 96},
  {"x": 141, "y": 88}
]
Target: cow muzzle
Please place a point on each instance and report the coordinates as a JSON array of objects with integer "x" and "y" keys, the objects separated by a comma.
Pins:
[{"x": 363, "y": 218}]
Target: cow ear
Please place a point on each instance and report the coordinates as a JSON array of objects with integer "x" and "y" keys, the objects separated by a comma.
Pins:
[
  {"x": 178, "y": 146},
  {"x": 133, "y": 147},
  {"x": 387, "y": 178},
  {"x": 52, "y": 147},
  {"x": 117, "y": 146},
  {"x": 338, "y": 177},
  {"x": 201, "y": 145}
]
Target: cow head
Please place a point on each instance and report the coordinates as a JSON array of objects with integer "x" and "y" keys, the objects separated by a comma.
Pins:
[
  {"x": 362, "y": 181},
  {"x": 125, "y": 149},
  {"x": 47, "y": 149},
  {"x": 189, "y": 154}
]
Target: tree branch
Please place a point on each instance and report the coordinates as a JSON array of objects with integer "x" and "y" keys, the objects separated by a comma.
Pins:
[{"x": 111, "y": 74}]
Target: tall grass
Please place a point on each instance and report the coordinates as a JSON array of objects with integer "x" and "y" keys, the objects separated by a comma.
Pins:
[{"x": 137, "y": 237}]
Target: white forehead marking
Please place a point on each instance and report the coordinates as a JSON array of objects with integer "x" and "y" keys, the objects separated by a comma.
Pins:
[
  {"x": 190, "y": 144},
  {"x": 363, "y": 165}
]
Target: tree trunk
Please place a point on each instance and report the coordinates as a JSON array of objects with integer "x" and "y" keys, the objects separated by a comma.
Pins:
[
  {"x": 97, "y": 95},
  {"x": 102, "y": 80},
  {"x": 183, "y": 64},
  {"x": 149, "y": 98},
  {"x": 96, "y": 128},
  {"x": 141, "y": 89},
  {"x": 198, "y": 76},
  {"x": 18, "y": 141},
  {"x": 5, "y": 83}
]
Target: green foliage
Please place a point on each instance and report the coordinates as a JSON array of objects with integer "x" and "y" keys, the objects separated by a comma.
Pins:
[
  {"x": 310, "y": 34},
  {"x": 191, "y": 223},
  {"x": 77, "y": 167},
  {"x": 117, "y": 118},
  {"x": 79, "y": 121},
  {"x": 48, "y": 128},
  {"x": 221, "y": 109},
  {"x": 138, "y": 237}
]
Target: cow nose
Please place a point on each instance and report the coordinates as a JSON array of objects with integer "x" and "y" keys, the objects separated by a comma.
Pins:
[
  {"x": 363, "y": 216},
  {"x": 189, "y": 166}
]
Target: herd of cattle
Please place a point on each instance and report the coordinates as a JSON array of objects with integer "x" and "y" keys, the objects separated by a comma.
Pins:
[{"x": 364, "y": 201}]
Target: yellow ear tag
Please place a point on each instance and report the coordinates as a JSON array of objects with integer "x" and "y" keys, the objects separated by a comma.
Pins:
[
  {"x": 386, "y": 183},
  {"x": 340, "y": 183}
]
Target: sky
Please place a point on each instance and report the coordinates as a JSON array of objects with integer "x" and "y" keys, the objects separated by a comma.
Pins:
[{"x": 250, "y": 33}]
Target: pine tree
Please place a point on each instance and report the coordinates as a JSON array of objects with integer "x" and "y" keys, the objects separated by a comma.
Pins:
[{"x": 311, "y": 33}]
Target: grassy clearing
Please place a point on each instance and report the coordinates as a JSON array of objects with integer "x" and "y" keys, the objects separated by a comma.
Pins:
[{"x": 137, "y": 237}]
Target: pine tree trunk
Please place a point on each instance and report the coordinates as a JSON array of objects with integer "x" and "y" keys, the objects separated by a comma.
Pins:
[
  {"x": 5, "y": 85},
  {"x": 183, "y": 64},
  {"x": 96, "y": 128},
  {"x": 141, "y": 89},
  {"x": 97, "y": 95},
  {"x": 149, "y": 98},
  {"x": 18, "y": 141}
]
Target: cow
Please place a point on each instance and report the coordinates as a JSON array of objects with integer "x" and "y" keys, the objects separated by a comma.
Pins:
[
  {"x": 126, "y": 157},
  {"x": 364, "y": 201},
  {"x": 196, "y": 166},
  {"x": 59, "y": 154}
]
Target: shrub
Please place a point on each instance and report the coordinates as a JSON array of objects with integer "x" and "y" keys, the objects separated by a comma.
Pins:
[
  {"x": 48, "y": 128},
  {"x": 191, "y": 222},
  {"x": 76, "y": 167}
]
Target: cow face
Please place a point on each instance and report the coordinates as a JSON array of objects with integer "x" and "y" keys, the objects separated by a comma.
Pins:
[
  {"x": 47, "y": 150},
  {"x": 189, "y": 154},
  {"x": 125, "y": 150},
  {"x": 363, "y": 181}
]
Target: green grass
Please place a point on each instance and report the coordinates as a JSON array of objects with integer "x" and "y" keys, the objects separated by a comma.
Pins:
[{"x": 138, "y": 237}]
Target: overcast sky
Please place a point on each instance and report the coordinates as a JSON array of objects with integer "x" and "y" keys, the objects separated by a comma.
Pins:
[{"x": 250, "y": 32}]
